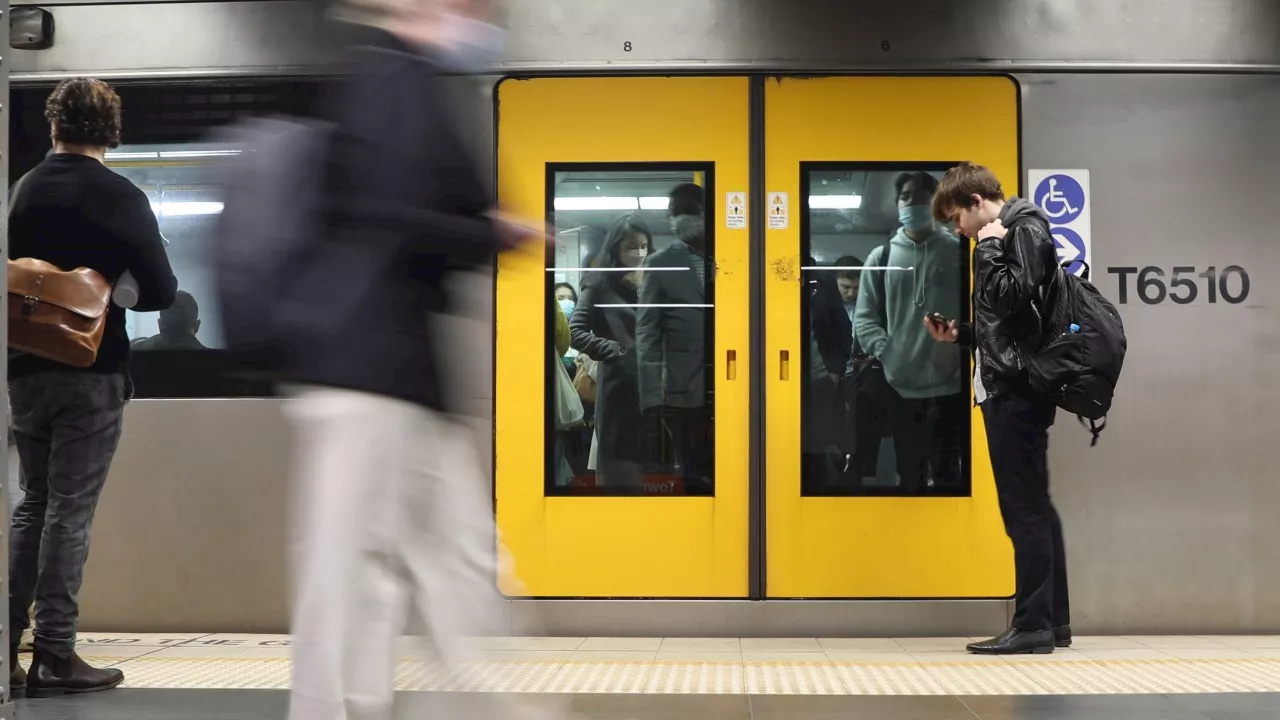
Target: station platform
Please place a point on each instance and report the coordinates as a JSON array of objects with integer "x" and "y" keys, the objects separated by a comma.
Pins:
[{"x": 1176, "y": 678}]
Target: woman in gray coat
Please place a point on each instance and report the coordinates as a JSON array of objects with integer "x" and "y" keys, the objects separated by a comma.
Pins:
[{"x": 603, "y": 327}]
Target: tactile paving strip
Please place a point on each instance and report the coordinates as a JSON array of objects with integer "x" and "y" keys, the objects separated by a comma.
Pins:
[
  {"x": 701, "y": 678},
  {"x": 987, "y": 677},
  {"x": 793, "y": 678}
]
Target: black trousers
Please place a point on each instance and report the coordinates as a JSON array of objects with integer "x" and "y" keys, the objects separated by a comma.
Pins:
[
  {"x": 691, "y": 433},
  {"x": 1018, "y": 439},
  {"x": 927, "y": 435}
]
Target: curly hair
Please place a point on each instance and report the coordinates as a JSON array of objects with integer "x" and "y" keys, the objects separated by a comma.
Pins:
[{"x": 84, "y": 111}]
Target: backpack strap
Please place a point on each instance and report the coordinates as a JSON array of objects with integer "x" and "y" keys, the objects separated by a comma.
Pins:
[
  {"x": 1087, "y": 270},
  {"x": 1094, "y": 427},
  {"x": 879, "y": 282}
]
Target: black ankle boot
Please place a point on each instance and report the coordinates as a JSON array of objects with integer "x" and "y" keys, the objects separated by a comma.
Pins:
[
  {"x": 1062, "y": 636},
  {"x": 52, "y": 675},
  {"x": 1015, "y": 642},
  {"x": 17, "y": 676}
]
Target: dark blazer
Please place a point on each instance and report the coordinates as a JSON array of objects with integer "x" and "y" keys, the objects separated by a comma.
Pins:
[
  {"x": 405, "y": 205},
  {"x": 671, "y": 342}
]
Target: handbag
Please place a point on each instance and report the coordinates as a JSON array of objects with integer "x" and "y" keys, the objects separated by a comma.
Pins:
[
  {"x": 569, "y": 410},
  {"x": 56, "y": 314},
  {"x": 585, "y": 382}
]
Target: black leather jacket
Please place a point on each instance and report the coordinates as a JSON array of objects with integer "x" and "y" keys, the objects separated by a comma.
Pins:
[{"x": 1014, "y": 280}]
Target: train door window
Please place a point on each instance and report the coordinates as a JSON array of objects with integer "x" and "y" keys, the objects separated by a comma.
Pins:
[
  {"x": 630, "y": 302},
  {"x": 885, "y": 409}
]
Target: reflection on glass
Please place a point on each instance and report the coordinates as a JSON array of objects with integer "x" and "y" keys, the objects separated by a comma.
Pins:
[
  {"x": 179, "y": 181},
  {"x": 633, "y": 274},
  {"x": 886, "y": 408}
]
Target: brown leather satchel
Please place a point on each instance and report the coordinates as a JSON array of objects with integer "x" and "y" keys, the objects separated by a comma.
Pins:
[{"x": 57, "y": 314}]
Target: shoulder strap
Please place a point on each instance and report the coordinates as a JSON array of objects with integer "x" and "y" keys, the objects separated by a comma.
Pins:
[
  {"x": 880, "y": 276},
  {"x": 1087, "y": 270},
  {"x": 879, "y": 280}
]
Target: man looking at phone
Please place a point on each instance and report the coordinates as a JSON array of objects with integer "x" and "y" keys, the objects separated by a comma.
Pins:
[
  {"x": 1013, "y": 266},
  {"x": 927, "y": 407}
]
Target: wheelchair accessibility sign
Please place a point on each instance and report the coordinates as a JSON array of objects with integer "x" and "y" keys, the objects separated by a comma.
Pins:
[{"x": 1063, "y": 195}]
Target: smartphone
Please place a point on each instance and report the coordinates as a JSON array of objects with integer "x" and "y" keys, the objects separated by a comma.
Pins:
[{"x": 937, "y": 318}]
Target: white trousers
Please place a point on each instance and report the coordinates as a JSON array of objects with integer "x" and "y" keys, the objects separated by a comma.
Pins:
[{"x": 392, "y": 514}]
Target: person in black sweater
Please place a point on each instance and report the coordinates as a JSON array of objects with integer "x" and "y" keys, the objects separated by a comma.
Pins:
[{"x": 73, "y": 212}]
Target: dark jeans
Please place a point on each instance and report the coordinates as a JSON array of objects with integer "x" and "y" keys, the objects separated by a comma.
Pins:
[
  {"x": 1018, "y": 438},
  {"x": 927, "y": 433},
  {"x": 67, "y": 426}
]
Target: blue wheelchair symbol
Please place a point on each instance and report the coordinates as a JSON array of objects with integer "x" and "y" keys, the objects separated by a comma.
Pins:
[
  {"x": 1070, "y": 248},
  {"x": 1061, "y": 198}
]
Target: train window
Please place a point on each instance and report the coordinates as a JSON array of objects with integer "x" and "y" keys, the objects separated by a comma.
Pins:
[
  {"x": 633, "y": 273},
  {"x": 179, "y": 182},
  {"x": 886, "y": 410},
  {"x": 166, "y": 152}
]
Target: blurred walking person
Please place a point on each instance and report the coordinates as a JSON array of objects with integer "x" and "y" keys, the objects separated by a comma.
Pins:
[{"x": 392, "y": 507}]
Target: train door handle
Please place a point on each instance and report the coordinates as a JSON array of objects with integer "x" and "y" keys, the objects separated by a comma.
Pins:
[
  {"x": 784, "y": 365},
  {"x": 731, "y": 365}
]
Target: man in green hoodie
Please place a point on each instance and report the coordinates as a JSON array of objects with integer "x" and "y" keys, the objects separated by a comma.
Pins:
[{"x": 924, "y": 271}]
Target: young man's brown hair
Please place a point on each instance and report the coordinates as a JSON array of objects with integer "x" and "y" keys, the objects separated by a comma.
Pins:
[
  {"x": 84, "y": 111},
  {"x": 958, "y": 187}
]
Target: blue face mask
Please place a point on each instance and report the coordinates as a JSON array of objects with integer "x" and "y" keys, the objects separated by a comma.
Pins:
[
  {"x": 566, "y": 307},
  {"x": 916, "y": 218},
  {"x": 477, "y": 45}
]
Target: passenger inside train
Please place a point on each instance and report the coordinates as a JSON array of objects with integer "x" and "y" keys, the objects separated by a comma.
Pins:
[
  {"x": 179, "y": 325},
  {"x": 898, "y": 421},
  {"x": 640, "y": 329}
]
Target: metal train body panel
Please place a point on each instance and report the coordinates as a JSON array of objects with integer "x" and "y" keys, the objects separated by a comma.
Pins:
[{"x": 1169, "y": 521}]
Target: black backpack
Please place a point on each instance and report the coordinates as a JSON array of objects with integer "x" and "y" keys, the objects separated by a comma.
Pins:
[{"x": 1080, "y": 363}]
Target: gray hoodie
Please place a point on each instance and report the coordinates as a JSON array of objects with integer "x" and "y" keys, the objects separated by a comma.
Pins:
[{"x": 892, "y": 328}]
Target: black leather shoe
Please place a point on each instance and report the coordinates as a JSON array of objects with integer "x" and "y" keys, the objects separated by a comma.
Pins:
[
  {"x": 51, "y": 676},
  {"x": 1062, "y": 636},
  {"x": 1015, "y": 642},
  {"x": 17, "y": 676}
]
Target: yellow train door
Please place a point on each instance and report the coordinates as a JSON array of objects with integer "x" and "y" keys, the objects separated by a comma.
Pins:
[
  {"x": 655, "y": 499},
  {"x": 652, "y": 500},
  {"x": 893, "y": 498}
]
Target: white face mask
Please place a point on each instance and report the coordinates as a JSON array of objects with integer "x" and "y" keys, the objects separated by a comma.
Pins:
[{"x": 633, "y": 258}]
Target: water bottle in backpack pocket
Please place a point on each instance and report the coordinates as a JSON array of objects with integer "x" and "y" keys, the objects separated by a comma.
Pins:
[{"x": 1079, "y": 365}]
